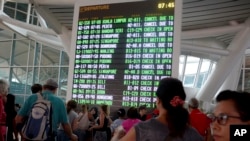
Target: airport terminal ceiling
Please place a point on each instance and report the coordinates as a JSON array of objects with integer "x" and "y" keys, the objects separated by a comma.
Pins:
[{"x": 208, "y": 26}]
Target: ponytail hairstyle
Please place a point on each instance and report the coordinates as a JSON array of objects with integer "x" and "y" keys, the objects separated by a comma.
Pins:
[{"x": 172, "y": 95}]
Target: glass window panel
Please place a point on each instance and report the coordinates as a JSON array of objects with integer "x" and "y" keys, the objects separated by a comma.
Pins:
[
  {"x": 5, "y": 50},
  {"x": 36, "y": 75},
  {"x": 247, "y": 81},
  {"x": 21, "y": 52},
  {"x": 18, "y": 81},
  {"x": 50, "y": 56},
  {"x": 37, "y": 54},
  {"x": 19, "y": 36},
  {"x": 4, "y": 73},
  {"x": 35, "y": 20},
  {"x": 189, "y": 80},
  {"x": 181, "y": 64},
  {"x": 200, "y": 80},
  {"x": 19, "y": 99},
  {"x": 19, "y": 74},
  {"x": 63, "y": 81},
  {"x": 182, "y": 58},
  {"x": 10, "y": 4},
  {"x": 5, "y": 35},
  {"x": 192, "y": 65},
  {"x": 3, "y": 62},
  {"x": 48, "y": 72},
  {"x": 205, "y": 65},
  {"x": 9, "y": 12},
  {"x": 29, "y": 79},
  {"x": 31, "y": 10},
  {"x": 65, "y": 59},
  {"x": 240, "y": 85},
  {"x": 21, "y": 16},
  {"x": 22, "y": 6},
  {"x": 31, "y": 53},
  {"x": 213, "y": 67},
  {"x": 30, "y": 22},
  {"x": 247, "y": 61}
]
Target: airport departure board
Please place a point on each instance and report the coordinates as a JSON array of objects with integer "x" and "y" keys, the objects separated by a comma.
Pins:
[{"x": 122, "y": 50}]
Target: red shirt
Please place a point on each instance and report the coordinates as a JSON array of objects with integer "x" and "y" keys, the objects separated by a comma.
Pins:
[
  {"x": 2, "y": 120},
  {"x": 199, "y": 121}
]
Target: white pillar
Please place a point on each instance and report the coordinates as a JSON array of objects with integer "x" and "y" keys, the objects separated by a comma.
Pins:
[
  {"x": 232, "y": 80},
  {"x": 224, "y": 67}
]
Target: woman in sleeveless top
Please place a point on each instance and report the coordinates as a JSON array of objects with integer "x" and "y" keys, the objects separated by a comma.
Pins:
[
  {"x": 101, "y": 127},
  {"x": 172, "y": 122}
]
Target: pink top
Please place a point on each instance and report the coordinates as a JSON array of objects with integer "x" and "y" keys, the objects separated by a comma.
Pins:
[{"x": 128, "y": 123}]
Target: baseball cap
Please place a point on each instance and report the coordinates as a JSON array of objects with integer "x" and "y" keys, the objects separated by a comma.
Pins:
[{"x": 51, "y": 82}]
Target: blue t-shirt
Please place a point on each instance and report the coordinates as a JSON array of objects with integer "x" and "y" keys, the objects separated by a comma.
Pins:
[{"x": 59, "y": 113}]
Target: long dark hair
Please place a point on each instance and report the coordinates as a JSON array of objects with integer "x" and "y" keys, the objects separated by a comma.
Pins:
[{"x": 177, "y": 116}]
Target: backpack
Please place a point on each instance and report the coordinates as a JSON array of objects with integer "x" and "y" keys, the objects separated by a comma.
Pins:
[{"x": 38, "y": 126}]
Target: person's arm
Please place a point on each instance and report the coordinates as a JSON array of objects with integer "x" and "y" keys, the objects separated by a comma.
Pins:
[
  {"x": 68, "y": 131},
  {"x": 23, "y": 112},
  {"x": 110, "y": 121},
  {"x": 74, "y": 124},
  {"x": 19, "y": 119},
  {"x": 130, "y": 136}
]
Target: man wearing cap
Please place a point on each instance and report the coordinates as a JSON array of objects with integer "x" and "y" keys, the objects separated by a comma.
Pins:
[
  {"x": 59, "y": 114},
  {"x": 198, "y": 119}
]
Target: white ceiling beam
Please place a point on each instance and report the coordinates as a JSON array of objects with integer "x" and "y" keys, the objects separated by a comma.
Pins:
[
  {"x": 24, "y": 25},
  {"x": 51, "y": 21},
  {"x": 211, "y": 32},
  {"x": 47, "y": 40},
  {"x": 209, "y": 42},
  {"x": 224, "y": 67},
  {"x": 48, "y": 2},
  {"x": 62, "y": 32},
  {"x": 204, "y": 49}
]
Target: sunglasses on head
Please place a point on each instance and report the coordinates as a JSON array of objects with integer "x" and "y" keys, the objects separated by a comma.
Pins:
[{"x": 221, "y": 118}]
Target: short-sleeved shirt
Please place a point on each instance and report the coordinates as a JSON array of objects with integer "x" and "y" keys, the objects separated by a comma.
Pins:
[
  {"x": 115, "y": 124},
  {"x": 59, "y": 113},
  {"x": 153, "y": 130},
  {"x": 129, "y": 123},
  {"x": 72, "y": 115},
  {"x": 199, "y": 121}
]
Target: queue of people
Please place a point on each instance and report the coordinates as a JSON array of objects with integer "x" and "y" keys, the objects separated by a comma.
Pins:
[{"x": 170, "y": 121}]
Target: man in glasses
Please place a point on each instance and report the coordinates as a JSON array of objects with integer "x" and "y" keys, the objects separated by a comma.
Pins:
[
  {"x": 197, "y": 118},
  {"x": 232, "y": 108}
]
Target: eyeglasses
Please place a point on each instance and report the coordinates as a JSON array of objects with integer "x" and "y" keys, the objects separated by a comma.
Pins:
[{"x": 221, "y": 118}]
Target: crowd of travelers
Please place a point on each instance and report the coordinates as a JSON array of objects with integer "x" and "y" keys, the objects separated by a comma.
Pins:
[{"x": 44, "y": 116}]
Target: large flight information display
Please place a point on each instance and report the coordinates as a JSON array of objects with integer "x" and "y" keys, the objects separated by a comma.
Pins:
[{"x": 122, "y": 51}]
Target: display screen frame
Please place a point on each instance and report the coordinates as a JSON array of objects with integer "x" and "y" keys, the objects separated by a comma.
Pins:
[{"x": 176, "y": 36}]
